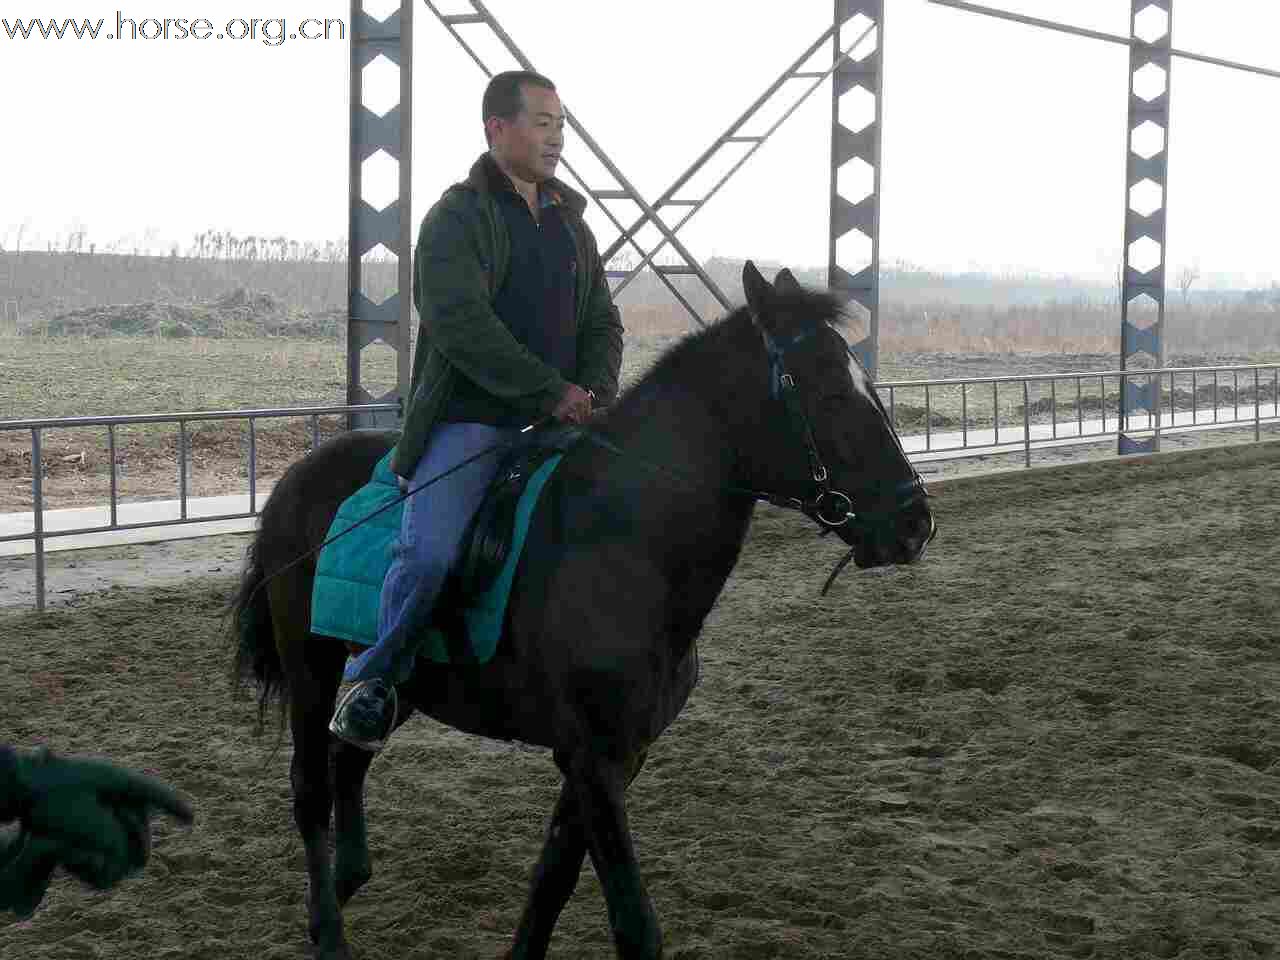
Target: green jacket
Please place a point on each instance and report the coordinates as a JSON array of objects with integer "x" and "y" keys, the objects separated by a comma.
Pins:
[{"x": 461, "y": 260}]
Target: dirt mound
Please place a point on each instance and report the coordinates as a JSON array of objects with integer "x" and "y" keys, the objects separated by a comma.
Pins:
[{"x": 239, "y": 313}]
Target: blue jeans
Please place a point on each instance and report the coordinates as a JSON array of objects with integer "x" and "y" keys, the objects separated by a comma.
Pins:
[{"x": 431, "y": 532}]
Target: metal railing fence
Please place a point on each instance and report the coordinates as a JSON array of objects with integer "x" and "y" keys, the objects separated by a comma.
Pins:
[
  {"x": 946, "y": 404},
  {"x": 949, "y": 429},
  {"x": 39, "y": 534}
]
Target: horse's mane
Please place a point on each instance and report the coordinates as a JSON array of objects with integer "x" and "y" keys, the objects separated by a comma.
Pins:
[{"x": 702, "y": 352}]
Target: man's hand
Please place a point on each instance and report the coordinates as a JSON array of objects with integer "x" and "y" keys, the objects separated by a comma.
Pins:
[
  {"x": 574, "y": 406},
  {"x": 87, "y": 816}
]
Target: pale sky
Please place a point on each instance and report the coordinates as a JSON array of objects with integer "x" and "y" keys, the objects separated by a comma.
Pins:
[{"x": 1003, "y": 144}]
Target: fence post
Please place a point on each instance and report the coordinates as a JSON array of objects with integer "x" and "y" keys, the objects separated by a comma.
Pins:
[
  {"x": 111, "y": 454},
  {"x": 182, "y": 469},
  {"x": 37, "y": 507},
  {"x": 1155, "y": 402},
  {"x": 253, "y": 468},
  {"x": 1026, "y": 419}
]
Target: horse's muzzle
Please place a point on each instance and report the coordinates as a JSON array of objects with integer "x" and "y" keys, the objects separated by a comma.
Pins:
[{"x": 902, "y": 541}]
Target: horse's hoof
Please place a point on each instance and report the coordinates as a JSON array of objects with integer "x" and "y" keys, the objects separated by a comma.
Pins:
[{"x": 333, "y": 951}]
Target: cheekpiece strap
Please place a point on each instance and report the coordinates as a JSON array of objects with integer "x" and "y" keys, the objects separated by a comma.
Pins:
[{"x": 776, "y": 351}]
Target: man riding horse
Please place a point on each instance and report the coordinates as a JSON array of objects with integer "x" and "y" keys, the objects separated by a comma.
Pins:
[{"x": 517, "y": 323}]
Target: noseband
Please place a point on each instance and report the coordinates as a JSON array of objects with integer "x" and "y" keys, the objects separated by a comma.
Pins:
[{"x": 829, "y": 507}]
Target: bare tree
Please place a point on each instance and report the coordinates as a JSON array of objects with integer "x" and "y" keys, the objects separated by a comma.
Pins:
[{"x": 1186, "y": 277}]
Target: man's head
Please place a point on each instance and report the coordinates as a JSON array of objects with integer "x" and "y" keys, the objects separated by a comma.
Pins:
[{"x": 524, "y": 124}]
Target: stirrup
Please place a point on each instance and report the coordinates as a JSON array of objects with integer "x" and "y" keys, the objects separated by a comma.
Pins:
[{"x": 360, "y": 730}]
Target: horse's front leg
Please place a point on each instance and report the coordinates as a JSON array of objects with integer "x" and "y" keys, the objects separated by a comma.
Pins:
[
  {"x": 598, "y": 786},
  {"x": 314, "y": 670},
  {"x": 353, "y": 866},
  {"x": 312, "y": 803},
  {"x": 554, "y": 878},
  {"x": 556, "y": 875}
]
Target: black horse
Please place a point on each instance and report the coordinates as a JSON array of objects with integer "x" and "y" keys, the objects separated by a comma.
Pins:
[{"x": 598, "y": 654}]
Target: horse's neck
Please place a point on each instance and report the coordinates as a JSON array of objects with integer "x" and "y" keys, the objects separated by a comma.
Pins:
[
  {"x": 673, "y": 425},
  {"x": 671, "y": 428},
  {"x": 693, "y": 528}
]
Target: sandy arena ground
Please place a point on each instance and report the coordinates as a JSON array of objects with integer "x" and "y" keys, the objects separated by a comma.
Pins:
[{"x": 1057, "y": 737}]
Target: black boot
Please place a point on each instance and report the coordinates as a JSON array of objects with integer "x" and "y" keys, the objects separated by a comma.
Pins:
[{"x": 366, "y": 714}]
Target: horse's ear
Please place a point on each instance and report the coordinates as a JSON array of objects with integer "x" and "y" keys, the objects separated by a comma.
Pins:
[
  {"x": 756, "y": 288},
  {"x": 785, "y": 282}
]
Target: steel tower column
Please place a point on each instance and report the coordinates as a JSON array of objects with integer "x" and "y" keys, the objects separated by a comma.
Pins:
[
  {"x": 860, "y": 213},
  {"x": 386, "y": 322},
  {"x": 1145, "y": 192}
]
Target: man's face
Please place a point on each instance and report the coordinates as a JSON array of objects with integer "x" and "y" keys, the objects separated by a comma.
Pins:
[{"x": 528, "y": 147}]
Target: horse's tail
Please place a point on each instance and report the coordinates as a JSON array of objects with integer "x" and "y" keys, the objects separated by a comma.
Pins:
[{"x": 251, "y": 632}]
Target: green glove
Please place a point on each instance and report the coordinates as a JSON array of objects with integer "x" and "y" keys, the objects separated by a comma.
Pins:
[
  {"x": 26, "y": 868},
  {"x": 87, "y": 816}
]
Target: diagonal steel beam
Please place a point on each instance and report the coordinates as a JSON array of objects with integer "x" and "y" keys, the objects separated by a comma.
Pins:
[
  {"x": 730, "y": 132},
  {"x": 483, "y": 16},
  {"x": 728, "y": 136},
  {"x": 1097, "y": 35}
]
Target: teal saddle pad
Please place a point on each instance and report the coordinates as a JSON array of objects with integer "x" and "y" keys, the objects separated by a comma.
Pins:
[{"x": 349, "y": 572}]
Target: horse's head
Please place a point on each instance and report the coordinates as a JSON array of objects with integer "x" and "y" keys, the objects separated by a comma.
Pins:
[{"x": 841, "y": 456}]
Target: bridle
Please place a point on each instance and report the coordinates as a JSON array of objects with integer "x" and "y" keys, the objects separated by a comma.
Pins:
[{"x": 829, "y": 507}]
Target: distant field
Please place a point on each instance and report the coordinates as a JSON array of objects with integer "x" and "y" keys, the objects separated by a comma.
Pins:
[
  {"x": 65, "y": 377},
  {"x": 74, "y": 377},
  {"x": 62, "y": 377}
]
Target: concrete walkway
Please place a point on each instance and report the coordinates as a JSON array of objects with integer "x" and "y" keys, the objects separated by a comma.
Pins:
[{"x": 150, "y": 511}]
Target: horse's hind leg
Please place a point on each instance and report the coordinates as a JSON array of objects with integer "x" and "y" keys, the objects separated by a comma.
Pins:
[
  {"x": 556, "y": 875},
  {"x": 353, "y": 866}
]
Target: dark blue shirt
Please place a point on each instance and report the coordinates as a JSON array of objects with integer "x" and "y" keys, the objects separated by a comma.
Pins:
[{"x": 535, "y": 302}]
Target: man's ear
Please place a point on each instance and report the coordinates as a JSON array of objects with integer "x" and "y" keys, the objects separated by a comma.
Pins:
[
  {"x": 491, "y": 127},
  {"x": 756, "y": 288}
]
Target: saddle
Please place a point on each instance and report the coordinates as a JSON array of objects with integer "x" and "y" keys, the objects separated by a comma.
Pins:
[
  {"x": 487, "y": 542},
  {"x": 467, "y": 621}
]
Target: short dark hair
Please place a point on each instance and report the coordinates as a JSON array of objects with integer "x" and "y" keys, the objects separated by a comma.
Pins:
[{"x": 502, "y": 97}]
